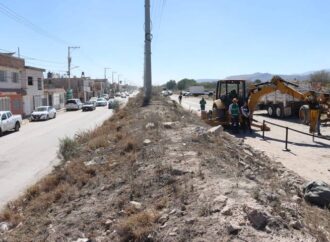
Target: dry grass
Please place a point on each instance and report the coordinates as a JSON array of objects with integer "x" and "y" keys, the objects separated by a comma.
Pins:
[
  {"x": 137, "y": 227},
  {"x": 318, "y": 222},
  {"x": 11, "y": 216},
  {"x": 98, "y": 142}
]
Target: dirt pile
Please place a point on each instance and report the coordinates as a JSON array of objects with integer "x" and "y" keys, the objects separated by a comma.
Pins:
[{"x": 157, "y": 174}]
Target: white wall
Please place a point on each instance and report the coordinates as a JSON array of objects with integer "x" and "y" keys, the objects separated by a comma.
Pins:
[
  {"x": 35, "y": 74},
  {"x": 34, "y": 96}
]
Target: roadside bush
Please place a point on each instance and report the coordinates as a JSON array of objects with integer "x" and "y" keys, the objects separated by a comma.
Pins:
[
  {"x": 68, "y": 148},
  {"x": 115, "y": 105}
]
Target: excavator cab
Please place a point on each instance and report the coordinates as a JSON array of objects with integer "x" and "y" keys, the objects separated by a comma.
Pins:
[{"x": 227, "y": 90}]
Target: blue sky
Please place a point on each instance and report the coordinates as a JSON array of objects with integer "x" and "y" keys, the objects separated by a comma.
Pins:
[{"x": 192, "y": 38}]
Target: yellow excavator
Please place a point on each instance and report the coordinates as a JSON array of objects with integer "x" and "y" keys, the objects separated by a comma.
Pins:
[{"x": 229, "y": 89}]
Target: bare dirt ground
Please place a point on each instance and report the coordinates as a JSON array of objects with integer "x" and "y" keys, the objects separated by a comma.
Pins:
[
  {"x": 157, "y": 173},
  {"x": 307, "y": 158}
]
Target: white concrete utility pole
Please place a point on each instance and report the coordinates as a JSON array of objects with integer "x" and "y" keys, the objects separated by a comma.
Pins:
[
  {"x": 69, "y": 63},
  {"x": 105, "y": 72},
  {"x": 147, "y": 54},
  {"x": 113, "y": 77}
]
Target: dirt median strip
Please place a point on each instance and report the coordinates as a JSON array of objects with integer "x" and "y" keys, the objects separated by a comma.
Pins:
[{"x": 155, "y": 174}]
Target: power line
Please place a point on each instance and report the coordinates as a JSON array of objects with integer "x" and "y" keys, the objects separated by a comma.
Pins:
[
  {"x": 36, "y": 59},
  {"x": 20, "y": 19},
  {"x": 158, "y": 13}
]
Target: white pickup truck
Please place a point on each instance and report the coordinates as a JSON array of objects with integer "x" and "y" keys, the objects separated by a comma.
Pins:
[{"x": 8, "y": 122}]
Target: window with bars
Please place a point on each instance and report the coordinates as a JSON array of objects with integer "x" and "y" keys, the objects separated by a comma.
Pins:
[
  {"x": 3, "y": 76},
  {"x": 15, "y": 77},
  {"x": 39, "y": 84}
]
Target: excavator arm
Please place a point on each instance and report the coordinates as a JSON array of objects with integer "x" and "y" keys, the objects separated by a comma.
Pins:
[{"x": 276, "y": 84}]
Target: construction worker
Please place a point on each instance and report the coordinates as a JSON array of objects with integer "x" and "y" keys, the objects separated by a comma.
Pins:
[
  {"x": 246, "y": 118},
  {"x": 234, "y": 113},
  {"x": 315, "y": 115},
  {"x": 180, "y": 97},
  {"x": 202, "y": 103}
]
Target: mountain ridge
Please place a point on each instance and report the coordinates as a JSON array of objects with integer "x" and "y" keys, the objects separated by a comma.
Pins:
[{"x": 262, "y": 76}]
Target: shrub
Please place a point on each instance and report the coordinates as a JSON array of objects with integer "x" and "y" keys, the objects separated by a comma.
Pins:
[
  {"x": 138, "y": 226},
  {"x": 68, "y": 148}
]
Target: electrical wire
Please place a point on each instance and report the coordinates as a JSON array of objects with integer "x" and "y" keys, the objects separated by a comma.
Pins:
[
  {"x": 157, "y": 15},
  {"x": 35, "y": 59},
  {"x": 20, "y": 19}
]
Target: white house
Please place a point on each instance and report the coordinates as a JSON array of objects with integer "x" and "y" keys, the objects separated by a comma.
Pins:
[{"x": 33, "y": 83}]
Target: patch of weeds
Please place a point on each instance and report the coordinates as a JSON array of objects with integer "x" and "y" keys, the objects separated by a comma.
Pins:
[
  {"x": 137, "y": 227},
  {"x": 68, "y": 148},
  {"x": 98, "y": 142}
]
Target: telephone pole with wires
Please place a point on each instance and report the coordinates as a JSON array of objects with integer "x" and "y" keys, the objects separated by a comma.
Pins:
[
  {"x": 147, "y": 54},
  {"x": 69, "y": 64}
]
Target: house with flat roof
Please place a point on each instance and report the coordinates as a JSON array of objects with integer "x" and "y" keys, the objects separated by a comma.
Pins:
[{"x": 21, "y": 86}]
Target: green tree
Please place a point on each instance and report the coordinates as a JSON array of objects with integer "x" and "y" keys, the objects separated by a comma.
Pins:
[
  {"x": 257, "y": 81},
  {"x": 320, "y": 80},
  {"x": 186, "y": 83},
  {"x": 170, "y": 85}
]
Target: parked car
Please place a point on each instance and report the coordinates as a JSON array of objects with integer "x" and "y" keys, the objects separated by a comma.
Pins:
[
  {"x": 186, "y": 93},
  {"x": 106, "y": 96},
  {"x": 89, "y": 106},
  {"x": 117, "y": 94},
  {"x": 73, "y": 104},
  {"x": 123, "y": 95},
  {"x": 43, "y": 113},
  {"x": 93, "y": 99},
  {"x": 101, "y": 102},
  {"x": 8, "y": 122}
]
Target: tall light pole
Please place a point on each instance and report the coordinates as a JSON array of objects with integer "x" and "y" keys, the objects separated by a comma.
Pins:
[
  {"x": 112, "y": 76},
  {"x": 147, "y": 54},
  {"x": 69, "y": 64},
  {"x": 119, "y": 82},
  {"x": 105, "y": 72}
]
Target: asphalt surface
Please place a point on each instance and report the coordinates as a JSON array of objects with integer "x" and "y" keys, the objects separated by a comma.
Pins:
[{"x": 29, "y": 154}]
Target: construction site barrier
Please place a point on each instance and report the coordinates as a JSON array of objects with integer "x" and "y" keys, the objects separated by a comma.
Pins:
[{"x": 287, "y": 133}]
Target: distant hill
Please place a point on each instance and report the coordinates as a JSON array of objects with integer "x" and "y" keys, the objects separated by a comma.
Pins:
[
  {"x": 261, "y": 76},
  {"x": 267, "y": 76}
]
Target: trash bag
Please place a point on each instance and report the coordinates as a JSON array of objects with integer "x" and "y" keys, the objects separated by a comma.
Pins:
[{"x": 317, "y": 193}]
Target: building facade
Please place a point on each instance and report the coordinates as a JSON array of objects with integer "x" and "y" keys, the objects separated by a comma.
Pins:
[
  {"x": 33, "y": 83},
  {"x": 81, "y": 86},
  {"x": 21, "y": 87}
]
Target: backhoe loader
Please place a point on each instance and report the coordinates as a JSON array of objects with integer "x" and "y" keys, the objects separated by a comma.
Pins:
[{"x": 229, "y": 89}]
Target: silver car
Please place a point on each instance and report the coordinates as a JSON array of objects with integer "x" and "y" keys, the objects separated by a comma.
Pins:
[
  {"x": 43, "y": 113},
  {"x": 73, "y": 104}
]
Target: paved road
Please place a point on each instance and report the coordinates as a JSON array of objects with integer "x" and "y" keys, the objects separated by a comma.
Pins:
[
  {"x": 29, "y": 154},
  {"x": 307, "y": 158}
]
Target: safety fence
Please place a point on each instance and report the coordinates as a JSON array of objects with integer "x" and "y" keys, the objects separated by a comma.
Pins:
[{"x": 287, "y": 134}]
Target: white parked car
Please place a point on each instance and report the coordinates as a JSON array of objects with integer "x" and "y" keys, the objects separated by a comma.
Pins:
[
  {"x": 93, "y": 99},
  {"x": 106, "y": 96},
  {"x": 43, "y": 113},
  {"x": 8, "y": 122},
  {"x": 73, "y": 104},
  {"x": 101, "y": 102}
]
